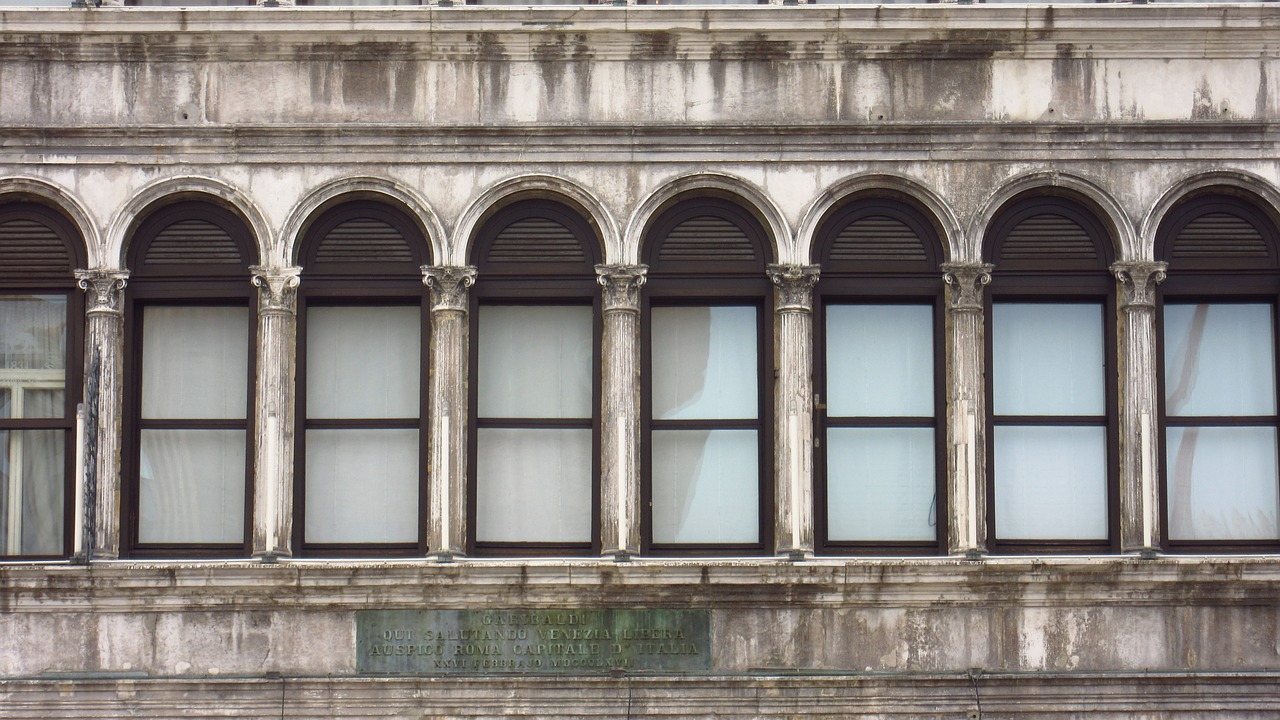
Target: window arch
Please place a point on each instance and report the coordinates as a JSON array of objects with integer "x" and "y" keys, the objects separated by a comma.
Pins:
[
  {"x": 1218, "y": 382},
  {"x": 362, "y": 382},
  {"x": 1050, "y": 379},
  {"x": 536, "y": 395},
  {"x": 706, "y": 321},
  {"x": 41, "y": 333},
  {"x": 190, "y": 329},
  {"x": 881, "y": 471}
]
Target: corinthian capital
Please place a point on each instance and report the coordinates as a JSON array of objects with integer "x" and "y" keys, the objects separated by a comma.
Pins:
[
  {"x": 1138, "y": 282},
  {"x": 448, "y": 284},
  {"x": 621, "y": 285},
  {"x": 966, "y": 281},
  {"x": 794, "y": 285},
  {"x": 105, "y": 290},
  {"x": 277, "y": 289}
]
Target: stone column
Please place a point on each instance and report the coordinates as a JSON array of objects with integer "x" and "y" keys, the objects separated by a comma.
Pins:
[
  {"x": 1140, "y": 526},
  {"x": 273, "y": 416},
  {"x": 103, "y": 435},
  {"x": 966, "y": 408},
  {"x": 447, "y": 413},
  {"x": 620, "y": 410},
  {"x": 793, "y": 409}
]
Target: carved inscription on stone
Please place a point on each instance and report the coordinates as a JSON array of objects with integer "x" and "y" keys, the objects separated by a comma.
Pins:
[{"x": 429, "y": 642}]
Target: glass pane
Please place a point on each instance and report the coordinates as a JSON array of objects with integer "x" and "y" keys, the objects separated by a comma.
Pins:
[
  {"x": 364, "y": 362},
  {"x": 195, "y": 362},
  {"x": 1051, "y": 483},
  {"x": 1219, "y": 359},
  {"x": 1222, "y": 483},
  {"x": 192, "y": 486},
  {"x": 1048, "y": 359},
  {"x": 881, "y": 484},
  {"x": 32, "y": 480},
  {"x": 535, "y": 361},
  {"x": 33, "y": 355},
  {"x": 6, "y": 402},
  {"x": 362, "y": 486},
  {"x": 706, "y": 486},
  {"x": 879, "y": 360},
  {"x": 704, "y": 362},
  {"x": 533, "y": 485}
]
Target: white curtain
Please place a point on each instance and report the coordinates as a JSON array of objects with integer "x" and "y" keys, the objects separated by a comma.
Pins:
[
  {"x": 362, "y": 486},
  {"x": 191, "y": 486},
  {"x": 880, "y": 361},
  {"x": 1051, "y": 483},
  {"x": 533, "y": 485},
  {"x": 535, "y": 361},
  {"x": 364, "y": 362},
  {"x": 704, "y": 363},
  {"x": 881, "y": 484},
  {"x": 706, "y": 486},
  {"x": 195, "y": 362},
  {"x": 1048, "y": 359}
]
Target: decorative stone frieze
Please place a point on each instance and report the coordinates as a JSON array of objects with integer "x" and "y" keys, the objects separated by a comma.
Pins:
[
  {"x": 793, "y": 416},
  {"x": 966, "y": 407},
  {"x": 620, "y": 410},
  {"x": 103, "y": 434},
  {"x": 1140, "y": 526},
  {"x": 274, "y": 418},
  {"x": 448, "y": 411}
]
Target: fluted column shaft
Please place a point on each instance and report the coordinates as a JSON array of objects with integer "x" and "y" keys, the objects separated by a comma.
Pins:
[
  {"x": 274, "y": 413},
  {"x": 793, "y": 408},
  {"x": 447, "y": 412},
  {"x": 104, "y": 342},
  {"x": 966, "y": 407},
  {"x": 620, "y": 410},
  {"x": 1140, "y": 526}
]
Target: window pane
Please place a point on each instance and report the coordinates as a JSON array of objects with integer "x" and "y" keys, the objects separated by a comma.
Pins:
[
  {"x": 704, "y": 362},
  {"x": 879, "y": 360},
  {"x": 1222, "y": 483},
  {"x": 1219, "y": 359},
  {"x": 32, "y": 476},
  {"x": 881, "y": 484},
  {"x": 1048, "y": 359},
  {"x": 1051, "y": 483},
  {"x": 363, "y": 362},
  {"x": 195, "y": 362},
  {"x": 533, "y": 485},
  {"x": 535, "y": 361},
  {"x": 192, "y": 486},
  {"x": 706, "y": 486},
  {"x": 362, "y": 486},
  {"x": 33, "y": 355}
]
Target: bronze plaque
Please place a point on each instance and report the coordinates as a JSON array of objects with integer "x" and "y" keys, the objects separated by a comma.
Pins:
[{"x": 432, "y": 642}]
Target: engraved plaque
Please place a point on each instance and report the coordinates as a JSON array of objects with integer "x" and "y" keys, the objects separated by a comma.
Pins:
[{"x": 430, "y": 642}]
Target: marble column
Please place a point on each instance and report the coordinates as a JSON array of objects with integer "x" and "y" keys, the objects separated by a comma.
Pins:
[
  {"x": 793, "y": 409},
  {"x": 274, "y": 414},
  {"x": 620, "y": 410},
  {"x": 1140, "y": 526},
  {"x": 966, "y": 408},
  {"x": 103, "y": 434},
  {"x": 447, "y": 412}
]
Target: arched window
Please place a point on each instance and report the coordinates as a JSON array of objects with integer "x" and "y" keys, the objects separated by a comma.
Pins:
[
  {"x": 1050, "y": 378},
  {"x": 706, "y": 323},
  {"x": 190, "y": 325},
  {"x": 1218, "y": 331},
  {"x": 536, "y": 389},
  {"x": 41, "y": 322},
  {"x": 879, "y": 305},
  {"x": 362, "y": 380}
]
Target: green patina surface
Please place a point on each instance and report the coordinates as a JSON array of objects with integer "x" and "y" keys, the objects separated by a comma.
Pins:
[{"x": 541, "y": 641}]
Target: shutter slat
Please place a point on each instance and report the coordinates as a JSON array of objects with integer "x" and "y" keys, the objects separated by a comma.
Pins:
[
  {"x": 31, "y": 250},
  {"x": 364, "y": 240},
  {"x": 536, "y": 240},
  {"x": 1220, "y": 235},
  {"x": 878, "y": 238},
  {"x": 1048, "y": 237},
  {"x": 707, "y": 238},
  {"x": 193, "y": 242}
]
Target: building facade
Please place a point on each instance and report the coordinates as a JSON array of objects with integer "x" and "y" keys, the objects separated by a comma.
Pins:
[{"x": 848, "y": 361}]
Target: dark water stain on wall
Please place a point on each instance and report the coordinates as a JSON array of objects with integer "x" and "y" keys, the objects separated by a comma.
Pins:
[{"x": 1073, "y": 84}]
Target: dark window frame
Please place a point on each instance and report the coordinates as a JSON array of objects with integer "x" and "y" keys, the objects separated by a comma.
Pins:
[
  {"x": 886, "y": 282},
  {"x": 64, "y": 285},
  {"x": 178, "y": 285},
  {"x": 533, "y": 284},
  {"x": 1214, "y": 281},
  {"x": 674, "y": 283},
  {"x": 1054, "y": 282},
  {"x": 364, "y": 284}
]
